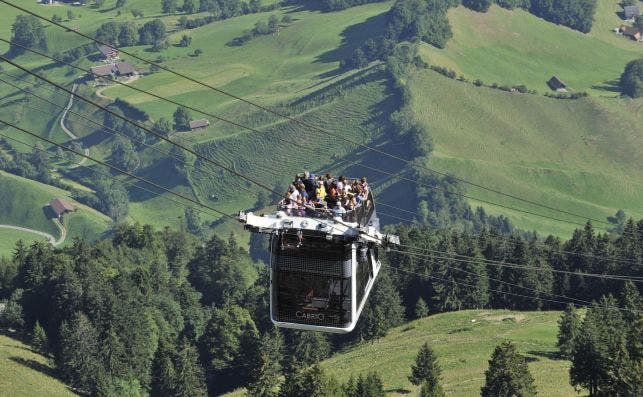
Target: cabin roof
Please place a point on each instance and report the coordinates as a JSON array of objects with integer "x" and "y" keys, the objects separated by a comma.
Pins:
[{"x": 60, "y": 206}]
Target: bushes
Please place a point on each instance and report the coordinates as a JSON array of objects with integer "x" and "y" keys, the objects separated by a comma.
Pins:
[
  {"x": 576, "y": 14},
  {"x": 632, "y": 79},
  {"x": 419, "y": 19},
  {"x": 334, "y": 5},
  {"x": 477, "y": 5}
]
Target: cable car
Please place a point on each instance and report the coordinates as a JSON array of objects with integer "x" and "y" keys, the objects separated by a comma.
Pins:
[{"x": 322, "y": 265}]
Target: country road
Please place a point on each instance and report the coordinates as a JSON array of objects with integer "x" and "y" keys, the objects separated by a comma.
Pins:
[
  {"x": 67, "y": 130},
  {"x": 52, "y": 239}
]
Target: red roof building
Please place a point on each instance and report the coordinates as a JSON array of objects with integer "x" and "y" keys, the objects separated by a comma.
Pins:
[{"x": 60, "y": 206}]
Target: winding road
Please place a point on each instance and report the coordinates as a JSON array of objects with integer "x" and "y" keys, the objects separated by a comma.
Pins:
[
  {"x": 52, "y": 239},
  {"x": 67, "y": 130}
]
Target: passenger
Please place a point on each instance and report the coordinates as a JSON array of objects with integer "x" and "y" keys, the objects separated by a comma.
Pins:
[
  {"x": 364, "y": 183},
  {"x": 309, "y": 184},
  {"x": 328, "y": 182},
  {"x": 302, "y": 192},
  {"x": 347, "y": 186},
  {"x": 320, "y": 193},
  {"x": 331, "y": 195},
  {"x": 338, "y": 210},
  {"x": 340, "y": 184},
  {"x": 352, "y": 202},
  {"x": 293, "y": 193}
]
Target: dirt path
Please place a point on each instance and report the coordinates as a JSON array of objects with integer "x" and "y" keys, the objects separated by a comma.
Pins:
[
  {"x": 68, "y": 131},
  {"x": 52, "y": 239}
]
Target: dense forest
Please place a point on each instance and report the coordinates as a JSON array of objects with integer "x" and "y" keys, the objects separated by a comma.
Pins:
[{"x": 162, "y": 312}]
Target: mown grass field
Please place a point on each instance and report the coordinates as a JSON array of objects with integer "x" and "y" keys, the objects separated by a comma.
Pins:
[
  {"x": 23, "y": 203},
  {"x": 516, "y": 47},
  {"x": 463, "y": 348},
  {"x": 463, "y": 342},
  {"x": 26, "y": 373},
  {"x": 9, "y": 238},
  {"x": 582, "y": 156}
]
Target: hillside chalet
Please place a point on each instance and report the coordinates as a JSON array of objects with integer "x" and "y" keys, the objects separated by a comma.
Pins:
[
  {"x": 201, "y": 123},
  {"x": 631, "y": 12},
  {"x": 631, "y": 32},
  {"x": 556, "y": 84},
  {"x": 108, "y": 53},
  {"x": 61, "y": 207},
  {"x": 118, "y": 69}
]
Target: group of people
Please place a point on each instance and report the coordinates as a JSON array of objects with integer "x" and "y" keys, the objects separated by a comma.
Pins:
[{"x": 311, "y": 195}]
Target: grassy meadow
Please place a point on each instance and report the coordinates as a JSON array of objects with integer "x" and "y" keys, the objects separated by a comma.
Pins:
[
  {"x": 515, "y": 47},
  {"x": 463, "y": 342},
  {"x": 27, "y": 373},
  {"x": 577, "y": 155},
  {"x": 9, "y": 238},
  {"x": 24, "y": 203}
]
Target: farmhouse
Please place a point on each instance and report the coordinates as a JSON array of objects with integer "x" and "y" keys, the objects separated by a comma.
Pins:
[
  {"x": 125, "y": 69},
  {"x": 61, "y": 207},
  {"x": 201, "y": 123},
  {"x": 631, "y": 12},
  {"x": 102, "y": 71},
  {"x": 556, "y": 84},
  {"x": 120, "y": 69},
  {"x": 108, "y": 53},
  {"x": 631, "y": 32}
]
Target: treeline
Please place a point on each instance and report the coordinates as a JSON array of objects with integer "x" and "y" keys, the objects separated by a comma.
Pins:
[
  {"x": 426, "y": 20},
  {"x": 605, "y": 346},
  {"x": 262, "y": 28},
  {"x": 125, "y": 34},
  {"x": 462, "y": 270},
  {"x": 218, "y": 9},
  {"x": 161, "y": 313},
  {"x": 576, "y": 14},
  {"x": 165, "y": 314},
  {"x": 335, "y": 5}
]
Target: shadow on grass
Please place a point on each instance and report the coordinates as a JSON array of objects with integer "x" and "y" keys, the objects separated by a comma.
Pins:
[
  {"x": 35, "y": 365},
  {"x": 609, "y": 86},
  {"x": 546, "y": 354},
  {"x": 398, "y": 391},
  {"x": 353, "y": 37}
]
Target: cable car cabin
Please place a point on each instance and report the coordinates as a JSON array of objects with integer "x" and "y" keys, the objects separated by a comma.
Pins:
[{"x": 323, "y": 267}]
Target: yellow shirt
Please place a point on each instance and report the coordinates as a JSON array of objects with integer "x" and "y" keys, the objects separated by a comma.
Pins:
[{"x": 321, "y": 192}]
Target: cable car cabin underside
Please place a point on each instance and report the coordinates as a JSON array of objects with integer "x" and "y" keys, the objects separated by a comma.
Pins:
[{"x": 322, "y": 269}]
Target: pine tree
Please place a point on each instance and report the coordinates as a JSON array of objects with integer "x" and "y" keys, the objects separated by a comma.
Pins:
[
  {"x": 265, "y": 378},
  {"x": 190, "y": 378},
  {"x": 421, "y": 308},
  {"x": 601, "y": 361},
  {"x": 447, "y": 291},
  {"x": 163, "y": 371},
  {"x": 370, "y": 385},
  {"x": 568, "y": 328},
  {"x": 78, "y": 359},
  {"x": 309, "y": 382},
  {"x": 431, "y": 391},
  {"x": 426, "y": 368},
  {"x": 39, "y": 339},
  {"x": 508, "y": 374},
  {"x": 310, "y": 347}
]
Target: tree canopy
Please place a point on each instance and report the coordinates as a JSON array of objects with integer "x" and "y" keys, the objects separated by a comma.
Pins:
[{"x": 632, "y": 79}]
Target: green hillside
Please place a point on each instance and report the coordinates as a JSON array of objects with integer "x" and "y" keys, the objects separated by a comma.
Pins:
[
  {"x": 463, "y": 342},
  {"x": 26, "y": 373},
  {"x": 516, "y": 47},
  {"x": 23, "y": 203},
  {"x": 577, "y": 155}
]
